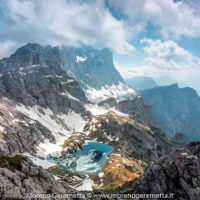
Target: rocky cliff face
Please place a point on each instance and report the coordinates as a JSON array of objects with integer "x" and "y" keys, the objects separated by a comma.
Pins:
[
  {"x": 178, "y": 174},
  {"x": 40, "y": 106},
  {"x": 135, "y": 107},
  {"x": 91, "y": 67},
  {"x": 176, "y": 109},
  {"x": 33, "y": 75},
  {"x": 95, "y": 72},
  {"x": 19, "y": 133},
  {"x": 20, "y": 179},
  {"x": 45, "y": 67},
  {"x": 138, "y": 110}
]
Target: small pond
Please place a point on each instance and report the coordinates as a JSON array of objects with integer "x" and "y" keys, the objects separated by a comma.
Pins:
[{"x": 90, "y": 160}]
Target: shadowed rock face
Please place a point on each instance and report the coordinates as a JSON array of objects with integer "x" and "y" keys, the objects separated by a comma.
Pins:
[
  {"x": 181, "y": 139},
  {"x": 34, "y": 75},
  {"x": 178, "y": 173},
  {"x": 109, "y": 102},
  {"x": 141, "y": 82},
  {"x": 138, "y": 110},
  {"x": 194, "y": 148},
  {"x": 176, "y": 109},
  {"x": 135, "y": 107},
  {"x": 91, "y": 67}
]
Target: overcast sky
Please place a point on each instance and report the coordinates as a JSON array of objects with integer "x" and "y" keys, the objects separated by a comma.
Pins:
[{"x": 148, "y": 37}]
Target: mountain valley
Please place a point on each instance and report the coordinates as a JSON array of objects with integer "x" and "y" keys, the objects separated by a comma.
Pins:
[{"x": 51, "y": 110}]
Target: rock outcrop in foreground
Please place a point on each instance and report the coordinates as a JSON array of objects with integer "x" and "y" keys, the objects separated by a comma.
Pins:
[
  {"x": 178, "y": 174},
  {"x": 20, "y": 178}
]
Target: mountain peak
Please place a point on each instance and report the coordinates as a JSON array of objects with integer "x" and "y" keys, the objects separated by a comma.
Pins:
[
  {"x": 33, "y": 75},
  {"x": 28, "y": 48},
  {"x": 91, "y": 67},
  {"x": 174, "y": 85}
]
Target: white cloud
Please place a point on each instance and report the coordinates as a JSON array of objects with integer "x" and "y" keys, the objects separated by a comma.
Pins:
[
  {"x": 7, "y": 47},
  {"x": 169, "y": 55},
  {"x": 174, "y": 19},
  {"x": 73, "y": 22},
  {"x": 166, "y": 58},
  {"x": 166, "y": 49},
  {"x": 67, "y": 22}
]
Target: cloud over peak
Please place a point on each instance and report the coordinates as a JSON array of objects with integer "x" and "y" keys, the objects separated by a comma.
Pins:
[
  {"x": 64, "y": 22},
  {"x": 172, "y": 19},
  {"x": 167, "y": 49},
  {"x": 93, "y": 22}
]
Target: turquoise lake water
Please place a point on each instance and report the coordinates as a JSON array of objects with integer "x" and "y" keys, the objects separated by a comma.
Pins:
[{"x": 90, "y": 160}]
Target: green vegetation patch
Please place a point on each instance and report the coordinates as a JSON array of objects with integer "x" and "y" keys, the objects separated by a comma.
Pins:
[
  {"x": 5, "y": 136},
  {"x": 55, "y": 170},
  {"x": 12, "y": 163},
  {"x": 198, "y": 182}
]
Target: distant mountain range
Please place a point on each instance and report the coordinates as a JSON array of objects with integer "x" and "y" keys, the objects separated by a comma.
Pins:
[
  {"x": 141, "y": 82},
  {"x": 176, "y": 109}
]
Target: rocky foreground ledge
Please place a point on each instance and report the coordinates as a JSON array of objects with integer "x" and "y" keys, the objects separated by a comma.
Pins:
[
  {"x": 178, "y": 173},
  {"x": 19, "y": 177}
]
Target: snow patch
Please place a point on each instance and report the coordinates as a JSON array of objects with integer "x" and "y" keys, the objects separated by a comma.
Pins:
[
  {"x": 116, "y": 91},
  {"x": 40, "y": 162},
  {"x": 59, "y": 76},
  {"x": 117, "y": 154},
  {"x": 36, "y": 65},
  {"x": 109, "y": 137},
  {"x": 100, "y": 110},
  {"x": 1, "y": 128},
  {"x": 74, "y": 121},
  {"x": 49, "y": 76},
  {"x": 68, "y": 81},
  {"x": 77, "y": 178},
  {"x": 101, "y": 174},
  {"x": 80, "y": 59},
  {"x": 67, "y": 94},
  {"x": 57, "y": 125},
  {"x": 86, "y": 185},
  {"x": 95, "y": 109},
  {"x": 56, "y": 177}
]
